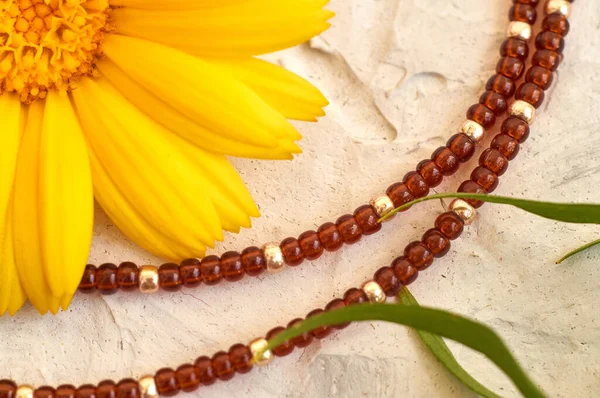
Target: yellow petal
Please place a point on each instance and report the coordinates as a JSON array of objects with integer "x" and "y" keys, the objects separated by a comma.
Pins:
[{"x": 173, "y": 4}]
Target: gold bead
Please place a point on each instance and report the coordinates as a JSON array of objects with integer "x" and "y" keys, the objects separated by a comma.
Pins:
[
  {"x": 523, "y": 110},
  {"x": 274, "y": 257},
  {"x": 518, "y": 29},
  {"x": 148, "y": 277},
  {"x": 260, "y": 356},
  {"x": 464, "y": 210},
  {"x": 560, "y": 6},
  {"x": 383, "y": 206},
  {"x": 24, "y": 391},
  {"x": 473, "y": 130},
  {"x": 147, "y": 387},
  {"x": 374, "y": 292}
]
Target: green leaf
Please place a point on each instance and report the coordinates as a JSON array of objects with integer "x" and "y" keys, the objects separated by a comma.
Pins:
[
  {"x": 580, "y": 213},
  {"x": 440, "y": 350},
  {"x": 578, "y": 250},
  {"x": 470, "y": 333}
]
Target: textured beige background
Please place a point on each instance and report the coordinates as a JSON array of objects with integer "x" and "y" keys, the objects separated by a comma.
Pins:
[{"x": 400, "y": 75}]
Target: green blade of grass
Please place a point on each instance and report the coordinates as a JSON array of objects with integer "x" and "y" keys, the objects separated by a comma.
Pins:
[
  {"x": 465, "y": 331},
  {"x": 579, "y": 250}
]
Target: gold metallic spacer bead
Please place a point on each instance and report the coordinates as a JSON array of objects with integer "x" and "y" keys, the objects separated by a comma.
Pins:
[
  {"x": 147, "y": 387},
  {"x": 259, "y": 356},
  {"x": 473, "y": 130},
  {"x": 374, "y": 292},
  {"x": 560, "y": 6},
  {"x": 518, "y": 29},
  {"x": 383, "y": 206},
  {"x": 274, "y": 257},
  {"x": 24, "y": 391},
  {"x": 148, "y": 279},
  {"x": 463, "y": 210},
  {"x": 523, "y": 110}
]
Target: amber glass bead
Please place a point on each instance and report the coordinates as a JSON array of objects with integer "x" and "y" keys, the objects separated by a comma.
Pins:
[
  {"x": 450, "y": 225},
  {"x": 418, "y": 254},
  {"x": 514, "y": 47},
  {"x": 470, "y": 186},
  {"x": 190, "y": 272},
  {"x": 366, "y": 217},
  {"x": 404, "y": 270},
  {"x": 222, "y": 366},
  {"x": 556, "y": 23},
  {"x": 523, "y": 13},
  {"x": 530, "y": 93},
  {"x": 303, "y": 340},
  {"x": 254, "y": 261},
  {"x": 515, "y": 128},
  {"x": 204, "y": 371},
  {"x": 506, "y": 145},
  {"x": 487, "y": 179},
  {"x": 106, "y": 389},
  {"x": 436, "y": 242},
  {"x": 462, "y": 146},
  {"x": 550, "y": 41},
  {"x": 311, "y": 245},
  {"x": 349, "y": 229},
  {"x": 106, "y": 275},
  {"x": 546, "y": 59},
  {"x": 337, "y": 304},
  {"x": 86, "y": 391},
  {"x": 501, "y": 85},
  {"x": 128, "y": 388},
  {"x": 88, "y": 280},
  {"x": 127, "y": 276},
  {"x": 446, "y": 160},
  {"x": 65, "y": 391},
  {"x": 210, "y": 268},
  {"x": 166, "y": 382},
  {"x": 168, "y": 277},
  {"x": 8, "y": 388},
  {"x": 283, "y": 349},
  {"x": 387, "y": 279},
  {"x": 355, "y": 296},
  {"x": 241, "y": 358},
  {"x": 430, "y": 172},
  {"x": 330, "y": 237},
  {"x": 399, "y": 194},
  {"x": 496, "y": 102},
  {"x": 416, "y": 184},
  {"x": 187, "y": 378},
  {"x": 510, "y": 67},
  {"x": 292, "y": 252},
  {"x": 322, "y": 331},
  {"x": 41, "y": 392},
  {"x": 231, "y": 263},
  {"x": 493, "y": 160},
  {"x": 482, "y": 115},
  {"x": 539, "y": 76},
  {"x": 530, "y": 2}
]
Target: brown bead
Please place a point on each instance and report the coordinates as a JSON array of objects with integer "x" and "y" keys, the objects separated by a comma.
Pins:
[
  {"x": 523, "y": 13},
  {"x": 128, "y": 276},
  {"x": 515, "y": 128},
  {"x": 387, "y": 279},
  {"x": 470, "y": 186},
  {"x": 254, "y": 261},
  {"x": 222, "y": 366},
  {"x": 337, "y": 304},
  {"x": 530, "y": 2},
  {"x": 349, "y": 229},
  {"x": 496, "y": 102},
  {"x": 399, "y": 194},
  {"x": 418, "y": 254},
  {"x": 322, "y": 331},
  {"x": 330, "y": 237},
  {"x": 436, "y": 242},
  {"x": 210, "y": 269},
  {"x": 166, "y": 382},
  {"x": 231, "y": 263},
  {"x": 514, "y": 47},
  {"x": 292, "y": 252},
  {"x": 355, "y": 296},
  {"x": 510, "y": 67},
  {"x": 487, "y": 179},
  {"x": 530, "y": 93},
  {"x": 283, "y": 349},
  {"x": 8, "y": 388},
  {"x": 501, "y": 84},
  {"x": 430, "y": 172},
  {"x": 493, "y": 160},
  {"x": 416, "y": 184},
  {"x": 40, "y": 392},
  {"x": 86, "y": 391},
  {"x": 404, "y": 270},
  {"x": 106, "y": 389},
  {"x": 446, "y": 160},
  {"x": 546, "y": 59},
  {"x": 539, "y": 76},
  {"x": 190, "y": 272},
  {"x": 311, "y": 245},
  {"x": 482, "y": 115},
  {"x": 550, "y": 41},
  {"x": 556, "y": 23},
  {"x": 187, "y": 378},
  {"x": 241, "y": 358},
  {"x": 367, "y": 219},
  {"x": 128, "y": 388},
  {"x": 168, "y": 277},
  {"x": 462, "y": 146},
  {"x": 204, "y": 371},
  {"x": 106, "y": 275},
  {"x": 449, "y": 224},
  {"x": 88, "y": 280},
  {"x": 506, "y": 145},
  {"x": 65, "y": 391},
  {"x": 303, "y": 340}
]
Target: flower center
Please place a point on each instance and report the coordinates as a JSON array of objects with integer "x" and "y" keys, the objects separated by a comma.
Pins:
[{"x": 48, "y": 44}]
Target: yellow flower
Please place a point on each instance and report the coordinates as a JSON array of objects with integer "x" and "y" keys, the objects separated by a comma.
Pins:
[{"x": 136, "y": 103}]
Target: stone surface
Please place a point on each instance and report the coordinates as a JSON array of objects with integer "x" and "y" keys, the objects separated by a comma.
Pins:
[{"x": 400, "y": 76}]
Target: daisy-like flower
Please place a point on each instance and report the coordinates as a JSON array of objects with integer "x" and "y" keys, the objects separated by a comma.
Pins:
[{"x": 136, "y": 103}]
